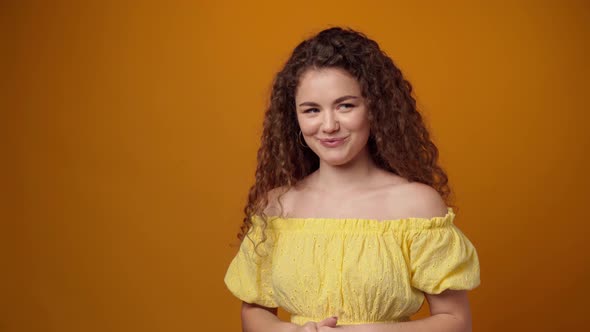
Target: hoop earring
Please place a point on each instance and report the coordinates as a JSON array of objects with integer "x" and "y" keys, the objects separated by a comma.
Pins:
[{"x": 300, "y": 140}]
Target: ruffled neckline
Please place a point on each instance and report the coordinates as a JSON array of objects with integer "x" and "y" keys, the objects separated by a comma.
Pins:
[{"x": 358, "y": 224}]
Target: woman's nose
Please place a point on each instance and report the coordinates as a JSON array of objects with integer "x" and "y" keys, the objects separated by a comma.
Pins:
[{"x": 330, "y": 123}]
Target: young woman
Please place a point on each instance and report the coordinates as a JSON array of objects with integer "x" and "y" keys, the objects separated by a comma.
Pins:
[{"x": 348, "y": 225}]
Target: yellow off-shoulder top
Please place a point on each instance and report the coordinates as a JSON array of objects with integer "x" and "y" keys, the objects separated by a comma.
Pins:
[{"x": 361, "y": 270}]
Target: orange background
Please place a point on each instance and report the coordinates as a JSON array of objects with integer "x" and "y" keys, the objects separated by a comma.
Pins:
[{"x": 131, "y": 130}]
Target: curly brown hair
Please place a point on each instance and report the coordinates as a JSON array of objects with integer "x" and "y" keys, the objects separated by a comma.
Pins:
[{"x": 399, "y": 141}]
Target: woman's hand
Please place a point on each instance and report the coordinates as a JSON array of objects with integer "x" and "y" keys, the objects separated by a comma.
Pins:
[{"x": 317, "y": 327}]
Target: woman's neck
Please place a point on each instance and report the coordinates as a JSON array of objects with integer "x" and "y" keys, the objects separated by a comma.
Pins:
[{"x": 354, "y": 174}]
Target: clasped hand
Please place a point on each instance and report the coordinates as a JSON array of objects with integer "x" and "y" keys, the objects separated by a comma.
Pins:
[{"x": 325, "y": 325}]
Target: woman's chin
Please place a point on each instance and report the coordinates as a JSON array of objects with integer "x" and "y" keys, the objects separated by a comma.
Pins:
[{"x": 336, "y": 161}]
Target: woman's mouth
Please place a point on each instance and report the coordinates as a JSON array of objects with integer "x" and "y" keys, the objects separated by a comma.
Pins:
[{"x": 332, "y": 142}]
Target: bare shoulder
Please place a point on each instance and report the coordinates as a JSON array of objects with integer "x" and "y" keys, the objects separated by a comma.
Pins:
[
  {"x": 275, "y": 197},
  {"x": 281, "y": 200},
  {"x": 420, "y": 200}
]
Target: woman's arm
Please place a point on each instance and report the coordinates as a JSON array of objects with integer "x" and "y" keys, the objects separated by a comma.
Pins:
[
  {"x": 256, "y": 318},
  {"x": 449, "y": 311}
]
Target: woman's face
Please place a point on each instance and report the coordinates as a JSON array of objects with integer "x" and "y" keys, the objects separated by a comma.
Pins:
[{"x": 332, "y": 115}]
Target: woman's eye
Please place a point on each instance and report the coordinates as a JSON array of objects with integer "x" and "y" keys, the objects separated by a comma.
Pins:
[
  {"x": 311, "y": 110},
  {"x": 346, "y": 106}
]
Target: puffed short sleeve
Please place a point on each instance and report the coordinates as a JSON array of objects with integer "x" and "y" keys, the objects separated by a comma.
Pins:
[
  {"x": 442, "y": 257},
  {"x": 248, "y": 276}
]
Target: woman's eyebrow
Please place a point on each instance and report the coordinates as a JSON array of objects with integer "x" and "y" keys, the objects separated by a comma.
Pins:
[
  {"x": 338, "y": 100},
  {"x": 343, "y": 98}
]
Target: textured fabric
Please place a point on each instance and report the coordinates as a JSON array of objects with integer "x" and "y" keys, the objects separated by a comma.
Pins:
[{"x": 361, "y": 270}]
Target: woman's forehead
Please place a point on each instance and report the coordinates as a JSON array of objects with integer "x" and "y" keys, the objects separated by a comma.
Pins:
[{"x": 326, "y": 83}]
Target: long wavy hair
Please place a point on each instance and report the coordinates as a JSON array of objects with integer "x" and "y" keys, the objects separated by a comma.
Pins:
[{"x": 399, "y": 141}]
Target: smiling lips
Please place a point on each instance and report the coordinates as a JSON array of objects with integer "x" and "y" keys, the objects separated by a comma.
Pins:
[{"x": 332, "y": 142}]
